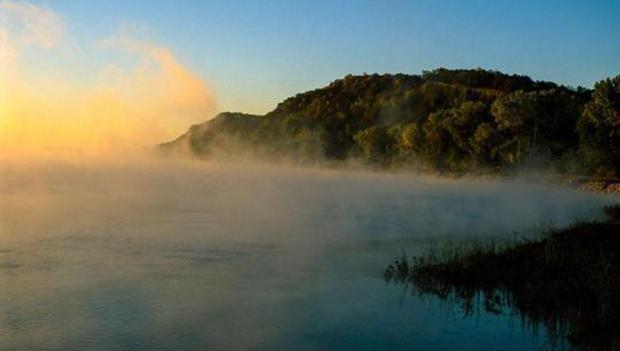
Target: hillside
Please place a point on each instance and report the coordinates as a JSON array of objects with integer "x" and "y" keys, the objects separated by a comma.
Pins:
[{"x": 443, "y": 120}]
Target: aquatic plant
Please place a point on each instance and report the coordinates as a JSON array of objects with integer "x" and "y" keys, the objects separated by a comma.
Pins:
[{"x": 568, "y": 280}]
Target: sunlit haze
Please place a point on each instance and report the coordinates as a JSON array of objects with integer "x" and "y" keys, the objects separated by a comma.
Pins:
[
  {"x": 95, "y": 77},
  {"x": 51, "y": 105},
  {"x": 233, "y": 175}
]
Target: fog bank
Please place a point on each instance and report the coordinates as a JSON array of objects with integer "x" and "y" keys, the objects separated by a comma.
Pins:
[{"x": 46, "y": 195}]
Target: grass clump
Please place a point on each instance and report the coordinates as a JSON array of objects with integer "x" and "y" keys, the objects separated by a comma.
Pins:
[{"x": 569, "y": 280}]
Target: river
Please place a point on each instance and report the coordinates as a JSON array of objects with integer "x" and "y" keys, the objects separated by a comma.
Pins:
[{"x": 166, "y": 255}]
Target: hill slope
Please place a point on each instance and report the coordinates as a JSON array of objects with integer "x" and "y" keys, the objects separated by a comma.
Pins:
[{"x": 445, "y": 120}]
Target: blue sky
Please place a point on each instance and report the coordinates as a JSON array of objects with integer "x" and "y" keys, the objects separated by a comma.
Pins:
[{"x": 255, "y": 53}]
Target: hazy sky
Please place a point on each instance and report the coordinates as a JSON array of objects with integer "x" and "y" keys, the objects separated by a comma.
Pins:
[
  {"x": 74, "y": 72},
  {"x": 255, "y": 53}
]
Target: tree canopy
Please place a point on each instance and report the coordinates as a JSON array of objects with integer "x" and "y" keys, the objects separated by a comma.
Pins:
[{"x": 444, "y": 120}]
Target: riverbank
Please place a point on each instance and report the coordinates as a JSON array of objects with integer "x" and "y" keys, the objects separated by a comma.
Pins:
[
  {"x": 595, "y": 184},
  {"x": 568, "y": 280}
]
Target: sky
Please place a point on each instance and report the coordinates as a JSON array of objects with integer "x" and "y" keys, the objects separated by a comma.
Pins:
[
  {"x": 259, "y": 52},
  {"x": 214, "y": 56}
]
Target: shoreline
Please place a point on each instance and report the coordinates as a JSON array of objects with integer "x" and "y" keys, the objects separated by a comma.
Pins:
[
  {"x": 593, "y": 184},
  {"x": 597, "y": 184},
  {"x": 567, "y": 281}
]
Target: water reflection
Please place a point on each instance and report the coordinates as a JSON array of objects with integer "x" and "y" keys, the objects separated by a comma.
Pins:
[
  {"x": 568, "y": 282},
  {"x": 206, "y": 257}
]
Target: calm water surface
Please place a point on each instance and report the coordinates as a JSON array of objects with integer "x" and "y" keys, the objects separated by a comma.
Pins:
[{"x": 157, "y": 256}]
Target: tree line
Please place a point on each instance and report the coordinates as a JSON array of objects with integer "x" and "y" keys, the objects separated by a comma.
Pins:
[{"x": 443, "y": 120}]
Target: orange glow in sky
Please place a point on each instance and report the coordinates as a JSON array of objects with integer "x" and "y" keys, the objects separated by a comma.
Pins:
[{"x": 117, "y": 107}]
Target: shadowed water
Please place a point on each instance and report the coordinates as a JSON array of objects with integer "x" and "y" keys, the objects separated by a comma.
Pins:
[{"x": 192, "y": 256}]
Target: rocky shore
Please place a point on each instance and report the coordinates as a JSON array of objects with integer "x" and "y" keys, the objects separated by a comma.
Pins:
[{"x": 604, "y": 185}]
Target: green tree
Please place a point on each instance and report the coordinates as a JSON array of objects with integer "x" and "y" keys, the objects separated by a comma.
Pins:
[
  {"x": 535, "y": 123},
  {"x": 599, "y": 129},
  {"x": 373, "y": 143}
]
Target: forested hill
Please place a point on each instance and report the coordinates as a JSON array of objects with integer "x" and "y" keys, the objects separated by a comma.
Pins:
[{"x": 444, "y": 120}]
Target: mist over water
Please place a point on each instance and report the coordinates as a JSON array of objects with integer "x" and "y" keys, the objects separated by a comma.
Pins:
[{"x": 157, "y": 255}]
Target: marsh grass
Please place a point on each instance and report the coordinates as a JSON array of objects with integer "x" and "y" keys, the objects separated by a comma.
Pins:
[{"x": 568, "y": 280}]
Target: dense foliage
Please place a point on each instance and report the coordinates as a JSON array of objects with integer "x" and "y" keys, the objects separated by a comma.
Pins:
[
  {"x": 444, "y": 120},
  {"x": 599, "y": 129}
]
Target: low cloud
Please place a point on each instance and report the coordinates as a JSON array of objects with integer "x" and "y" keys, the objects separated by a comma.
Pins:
[{"x": 117, "y": 107}]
